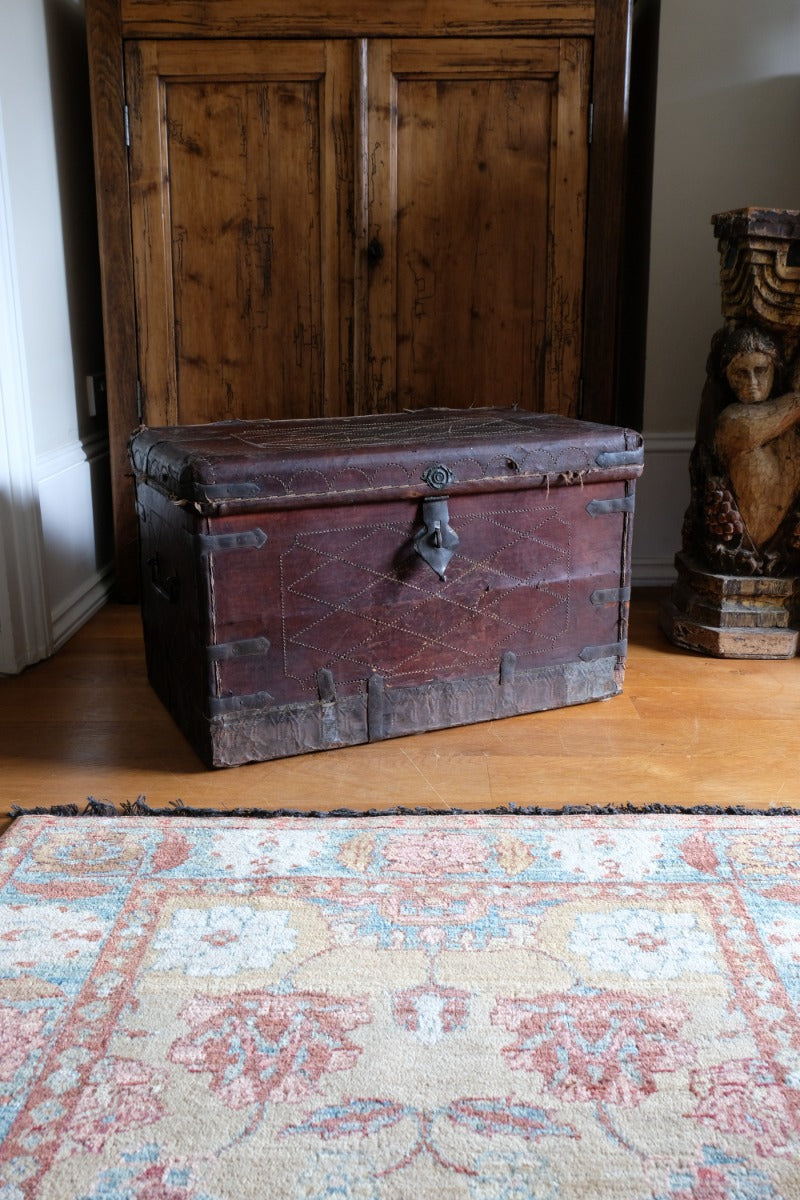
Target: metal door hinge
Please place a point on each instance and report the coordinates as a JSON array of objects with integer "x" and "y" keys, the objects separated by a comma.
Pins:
[
  {"x": 139, "y": 404},
  {"x": 590, "y": 130},
  {"x": 127, "y": 119}
]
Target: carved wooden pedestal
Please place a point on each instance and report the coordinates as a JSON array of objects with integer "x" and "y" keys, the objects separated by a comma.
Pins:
[
  {"x": 732, "y": 616},
  {"x": 738, "y": 589}
]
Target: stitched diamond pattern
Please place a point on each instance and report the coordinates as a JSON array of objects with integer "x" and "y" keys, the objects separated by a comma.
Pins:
[{"x": 360, "y": 600}]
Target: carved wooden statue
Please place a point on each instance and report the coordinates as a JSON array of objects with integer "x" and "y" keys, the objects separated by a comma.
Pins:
[
  {"x": 737, "y": 591},
  {"x": 744, "y": 516}
]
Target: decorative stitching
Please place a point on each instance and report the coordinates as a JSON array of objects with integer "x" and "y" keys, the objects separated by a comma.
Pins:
[{"x": 412, "y": 627}]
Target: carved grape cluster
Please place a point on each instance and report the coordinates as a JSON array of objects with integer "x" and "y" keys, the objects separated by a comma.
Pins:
[{"x": 722, "y": 516}]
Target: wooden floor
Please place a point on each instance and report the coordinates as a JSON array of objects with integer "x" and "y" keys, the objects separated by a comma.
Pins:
[{"x": 687, "y": 730}]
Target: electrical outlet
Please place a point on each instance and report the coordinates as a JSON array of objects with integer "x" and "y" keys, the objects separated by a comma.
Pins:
[{"x": 96, "y": 394}]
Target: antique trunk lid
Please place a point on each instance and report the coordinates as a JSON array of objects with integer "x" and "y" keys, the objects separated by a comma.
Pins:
[{"x": 239, "y": 466}]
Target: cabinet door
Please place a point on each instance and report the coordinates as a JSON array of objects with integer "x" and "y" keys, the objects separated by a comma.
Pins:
[
  {"x": 241, "y": 166},
  {"x": 476, "y": 195}
]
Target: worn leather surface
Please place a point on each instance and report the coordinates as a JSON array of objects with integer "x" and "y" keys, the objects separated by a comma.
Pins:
[{"x": 244, "y": 465}]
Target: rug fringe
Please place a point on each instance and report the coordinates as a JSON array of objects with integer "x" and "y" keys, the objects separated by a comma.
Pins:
[{"x": 140, "y": 808}]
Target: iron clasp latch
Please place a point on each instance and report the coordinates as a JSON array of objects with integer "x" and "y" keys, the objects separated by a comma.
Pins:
[{"x": 436, "y": 541}]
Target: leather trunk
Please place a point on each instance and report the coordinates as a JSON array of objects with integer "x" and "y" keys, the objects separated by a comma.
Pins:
[{"x": 321, "y": 583}]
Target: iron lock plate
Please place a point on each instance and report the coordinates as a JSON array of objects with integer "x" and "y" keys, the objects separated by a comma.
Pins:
[{"x": 437, "y": 540}]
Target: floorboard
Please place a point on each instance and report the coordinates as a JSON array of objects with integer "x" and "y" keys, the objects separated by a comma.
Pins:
[{"x": 686, "y": 730}]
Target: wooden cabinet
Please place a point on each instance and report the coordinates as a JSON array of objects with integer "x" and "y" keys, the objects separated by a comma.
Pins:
[{"x": 331, "y": 210}]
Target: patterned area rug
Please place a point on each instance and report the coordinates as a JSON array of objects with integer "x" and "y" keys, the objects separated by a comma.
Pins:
[{"x": 470, "y": 1008}]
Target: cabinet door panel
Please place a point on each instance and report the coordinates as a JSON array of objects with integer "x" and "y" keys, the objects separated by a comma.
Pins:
[
  {"x": 477, "y": 163},
  {"x": 242, "y": 227}
]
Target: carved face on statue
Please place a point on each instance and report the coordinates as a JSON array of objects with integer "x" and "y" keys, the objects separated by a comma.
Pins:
[
  {"x": 750, "y": 375},
  {"x": 749, "y": 361}
]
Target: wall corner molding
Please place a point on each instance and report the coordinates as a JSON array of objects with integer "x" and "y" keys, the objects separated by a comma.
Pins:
[
  {"x": 26, "y": 633},
  {"x": 77, "y": 536}
]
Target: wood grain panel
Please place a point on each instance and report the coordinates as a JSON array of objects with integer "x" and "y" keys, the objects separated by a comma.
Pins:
[
  {"x": 380, "y": 169},
  {"x": 241, "y": 233},
  {"x": 246, "y": 249},
  {"x": 567, "y": 225},
  {"x": 151, "y": 236},
  {"x": 472, "y": 241},
  {"x": 359, "y": 18},
  {"x": 477, "y": 156},
  {"x": 606, "y": 211},
  {"x": 116, "y": 271}
]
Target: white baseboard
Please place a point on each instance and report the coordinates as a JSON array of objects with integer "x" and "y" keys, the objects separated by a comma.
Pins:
[
  {"x": 75, "y": 503},
  {"x": 662, "y": 494},
  {"x": 74, "y": 610}
]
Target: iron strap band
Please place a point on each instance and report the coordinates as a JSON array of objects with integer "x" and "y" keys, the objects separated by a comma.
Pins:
[
  {"x": 620, "y": 458},
  {"x": 601, "y": 508},
  {"x": 613, "y": 650},
  {"x": 376, "y": 708},
  {"x": 213, "y": 543},
  {"x": 219, "y": 705},
  {"x": 242, "y": 648},
  {"x": 603, "y": 596}
]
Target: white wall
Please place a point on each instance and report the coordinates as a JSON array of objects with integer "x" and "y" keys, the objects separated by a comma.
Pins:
[
  {"x": 50, "y": 286},
  {"x": 25, "y": 626},
  {"x": 727, "y": 136}
]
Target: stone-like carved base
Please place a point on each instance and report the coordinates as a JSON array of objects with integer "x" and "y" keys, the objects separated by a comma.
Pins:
[{"x": 732, "y": 616}]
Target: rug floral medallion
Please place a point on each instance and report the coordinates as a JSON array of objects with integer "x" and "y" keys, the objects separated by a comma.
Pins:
[{"x": 392, "y": 1008}]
